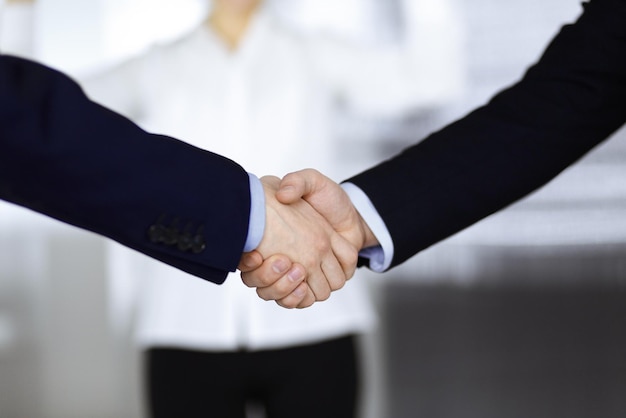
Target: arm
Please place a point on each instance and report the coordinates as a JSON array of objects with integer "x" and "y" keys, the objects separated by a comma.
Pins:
[
  {"x": 570, "y": 101},
  {"x": 567, "y": 103},
  {"x": 76, "y": 161},
  {"x": 67, "y": 157}
]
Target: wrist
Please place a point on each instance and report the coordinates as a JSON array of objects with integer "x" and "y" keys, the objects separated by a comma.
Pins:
[{"x": 369, "y": 239}]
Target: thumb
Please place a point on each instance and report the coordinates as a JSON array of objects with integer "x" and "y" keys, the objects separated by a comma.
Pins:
[{"x": 297, "y": 185}]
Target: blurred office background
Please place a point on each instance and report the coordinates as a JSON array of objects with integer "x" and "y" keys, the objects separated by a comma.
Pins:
[{"x": 523, "y": 314}]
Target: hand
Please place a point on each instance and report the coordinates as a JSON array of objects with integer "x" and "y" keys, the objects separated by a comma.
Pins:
[
  {"x": 329, "y": 199},
  {"x": 297, "y": 231}
]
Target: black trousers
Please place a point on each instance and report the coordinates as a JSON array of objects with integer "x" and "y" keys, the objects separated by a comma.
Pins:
[{"x": 318, "y": 380}]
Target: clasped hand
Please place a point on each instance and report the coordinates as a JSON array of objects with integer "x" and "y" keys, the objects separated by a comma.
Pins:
[{"x": 311, "y": 242}]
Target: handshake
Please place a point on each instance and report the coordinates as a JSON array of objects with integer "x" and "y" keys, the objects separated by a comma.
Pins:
[{"x": 312, "y": 238}]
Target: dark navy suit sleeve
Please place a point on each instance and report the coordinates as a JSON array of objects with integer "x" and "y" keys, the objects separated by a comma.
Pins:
[
  {"x": 571, "y": 100},
  {"x": 67, "y": 157}
]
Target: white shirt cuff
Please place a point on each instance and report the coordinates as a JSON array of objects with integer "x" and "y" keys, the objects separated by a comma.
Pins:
[
  {"x": 256, "y": 225},
  {"x": 380, "y": 257}
]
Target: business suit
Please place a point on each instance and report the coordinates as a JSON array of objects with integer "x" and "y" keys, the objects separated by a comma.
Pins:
[
  {"x": 567, "y": 103},
  {"x": 71, "y": 159}
]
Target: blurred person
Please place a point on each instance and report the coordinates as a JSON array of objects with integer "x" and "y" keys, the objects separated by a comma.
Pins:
[
  {"x": 257, "y": 87},
  {"x": 567, "y": 103}
]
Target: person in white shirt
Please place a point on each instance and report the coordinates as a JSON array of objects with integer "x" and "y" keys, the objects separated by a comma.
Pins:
[{"x": 244, "y": 85}]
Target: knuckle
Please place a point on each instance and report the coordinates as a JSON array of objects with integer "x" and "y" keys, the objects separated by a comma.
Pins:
[
  {"x": 337, "y": 284},
  {"x": 322, "y": 246}
]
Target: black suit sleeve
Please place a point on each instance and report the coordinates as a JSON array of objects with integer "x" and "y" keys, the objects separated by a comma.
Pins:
[
  {"x": 567, "y": 103},
  {"x": 67, "y": 157}
]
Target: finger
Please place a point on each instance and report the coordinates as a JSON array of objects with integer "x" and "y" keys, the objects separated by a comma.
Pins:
[
  {"x": 284, "y": 286},
  {"x": 297, "y": 297},
  {"x": 308, "y": 300},
  {"x": 335, "y": 276},
  {"x": 318, "y": 282},
  {"x": 272, "y": 269},
  {"x": 250, "y": 261}
]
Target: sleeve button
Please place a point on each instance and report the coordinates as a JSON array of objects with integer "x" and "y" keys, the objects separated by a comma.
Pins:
[
  {"x": 198, "y": 244},
  {"x": 185, "y": 241}
]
